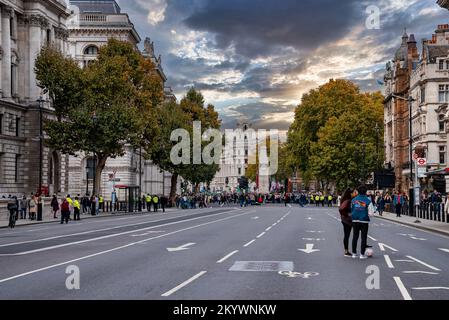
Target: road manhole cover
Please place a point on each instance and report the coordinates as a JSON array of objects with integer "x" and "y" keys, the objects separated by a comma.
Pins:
[{"x": 262, "y": 266}]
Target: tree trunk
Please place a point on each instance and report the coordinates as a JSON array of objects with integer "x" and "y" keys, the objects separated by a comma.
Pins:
[
  {"x": 173, "y": 187},
  {"x": 101, "y": 163}
]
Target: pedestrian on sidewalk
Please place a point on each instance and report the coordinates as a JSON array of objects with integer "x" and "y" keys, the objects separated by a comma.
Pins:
[
  {"x": 13, "y": 206},
  {"x": 65, "y": 211},
  {"x": 346, "y": 219},
  {"x": 164, "y": 202},
  {"x": 155, "y": 203},
  {"x": 55, "y": 206},
  {"x": 23, "y": 204},
  {"x": 398, "y": 202},
  {"x": 33, "y": 208},
  {"x": 92, "y": 205},
  {"x": 76, "y": 209},
  {"x": 148, "y": 200},
  {"x": 361, "y": 210}
]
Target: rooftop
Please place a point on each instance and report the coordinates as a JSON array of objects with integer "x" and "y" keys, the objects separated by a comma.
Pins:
[{"x": 97, "y": 6}]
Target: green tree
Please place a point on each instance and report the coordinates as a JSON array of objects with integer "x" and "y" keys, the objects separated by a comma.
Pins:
[
  {"x": 114, "y": 105},
  {"x": 336, "y": 142},
  {"x": 193, "y": 106}
]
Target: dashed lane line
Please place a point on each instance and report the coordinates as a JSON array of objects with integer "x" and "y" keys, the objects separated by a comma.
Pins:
[
  {"x": 227, "y": 256},
  {"x": 424, "y": 264},
  {"x": 402, "y": 289},
  {"x": 182, "y": 285},
  {"x": 260, "y": 235},
  {"x": 388, "y": 261},
  {"x": 249, "y": 243}
]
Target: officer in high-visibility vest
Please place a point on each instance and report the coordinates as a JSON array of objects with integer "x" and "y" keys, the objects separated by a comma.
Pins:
[
  {"x": 155, "y": 203},
  {"x": 70, "y": 201},
  {"x": 148, "y": 200},
  {"x": 322, "y": 200},
  {"x": 317, "y": 200},
  {"x": 101, "y": 202},
  {"x": 329, "y": 200},
  {"x": 76, "y": 209}
]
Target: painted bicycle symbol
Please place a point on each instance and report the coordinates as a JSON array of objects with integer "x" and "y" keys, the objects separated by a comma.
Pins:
[{"x": 305, "y": 275}]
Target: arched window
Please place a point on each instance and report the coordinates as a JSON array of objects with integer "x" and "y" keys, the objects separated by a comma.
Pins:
[{"x": 91, "y": 50}]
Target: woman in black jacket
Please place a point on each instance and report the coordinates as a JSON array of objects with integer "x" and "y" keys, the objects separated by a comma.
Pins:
[{"x": 346, "y": 220}]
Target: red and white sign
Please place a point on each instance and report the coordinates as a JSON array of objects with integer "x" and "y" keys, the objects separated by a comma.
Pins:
[
  {"x": 415, "y": 156},
  {"x": 421, "y": 162}
]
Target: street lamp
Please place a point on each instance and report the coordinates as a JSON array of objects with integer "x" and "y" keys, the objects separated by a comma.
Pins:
[
  {"x": 94, "y": 120},
  {"x": 377, "y": 129},
  {"x": 41, "y": 147},
  {"x": 411, "y": 190}
]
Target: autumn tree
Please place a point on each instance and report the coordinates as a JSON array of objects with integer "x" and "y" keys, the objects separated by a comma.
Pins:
[{"x": 104, "y": 107}]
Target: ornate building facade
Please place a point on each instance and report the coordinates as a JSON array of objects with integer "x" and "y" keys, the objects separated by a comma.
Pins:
[
  {"x": 91, "y": 24},
  {"x": 397, "y": 82},
  {"x": 26, "y": 164}
]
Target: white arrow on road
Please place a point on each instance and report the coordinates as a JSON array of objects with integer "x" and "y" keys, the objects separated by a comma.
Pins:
[
  {"x": 181, "y": 248},
  {"x": 309, "y": 248},
  {"x": 445, "y": 250},
  {"x": 382, "y": 247}
]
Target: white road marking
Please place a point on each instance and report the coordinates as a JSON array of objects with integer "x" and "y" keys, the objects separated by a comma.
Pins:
[
  {"x": 388, "y": 261},
  {"x": 181, "y": 248},
  {"x": 249, "y": 243},
  {"x": 185, "y": 283},
  {"x": 309, "y": 248},
  {"x": 404, "y": 260},
  {"x": 146, "y": 233},
  {"x": 313, "y": 239},
  {"x": 268, "y": 229},
  {"x": 423, "y": 272},
  {"x": 227, "y": 256},
  {"x": 260, "y": 235},
  {"x": 372, "y": 238},
  {"x": 255, "y": 218},
  {"x": 445, "y": 250},
  {"x": 289, "y": 205},
  {"x": 382, "y": 247},
  {"x": 431, "y": 288},
  {"x": 424, "y": 264},
  {"x": 402, "y": 289},
  {"x": 98, "y": 238},
  {"x": 116, "y": 249}
]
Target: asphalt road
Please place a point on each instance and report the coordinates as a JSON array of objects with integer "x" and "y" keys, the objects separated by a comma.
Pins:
[{"x": 221, "y": 254}]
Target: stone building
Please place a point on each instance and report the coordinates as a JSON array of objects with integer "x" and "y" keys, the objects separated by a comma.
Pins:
[
  {"x": 25, "y": 163},
  {"x": 429, "y": 86},
  {"x": 397, "y": 82},
  {"x": 91, "y": 25}
]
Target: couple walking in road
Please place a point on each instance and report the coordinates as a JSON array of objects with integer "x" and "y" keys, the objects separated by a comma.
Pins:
[{"x": 355, "y": 210}]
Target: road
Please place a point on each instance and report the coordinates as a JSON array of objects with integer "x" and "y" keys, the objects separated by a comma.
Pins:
[{"x": 255, "y": 253}]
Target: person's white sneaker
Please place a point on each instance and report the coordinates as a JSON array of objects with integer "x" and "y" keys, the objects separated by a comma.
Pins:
[
  {"x": 363, "y": 257},
  {"x": 354, "y": 256}
]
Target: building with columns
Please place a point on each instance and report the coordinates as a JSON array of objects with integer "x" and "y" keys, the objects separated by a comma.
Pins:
[
  {"x": 91, "y": 24},
  {"x": 25, "y": 163}
]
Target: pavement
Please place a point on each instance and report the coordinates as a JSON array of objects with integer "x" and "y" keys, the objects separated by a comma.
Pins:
[{"x": 228, "y": 253}]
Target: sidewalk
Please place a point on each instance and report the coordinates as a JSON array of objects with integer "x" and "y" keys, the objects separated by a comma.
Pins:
[
  {"x": 428, "y": 225},
  {"x": 27, "y": 222}
]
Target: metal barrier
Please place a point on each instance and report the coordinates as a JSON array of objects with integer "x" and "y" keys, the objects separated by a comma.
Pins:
[{"x": 426, "y": 211}]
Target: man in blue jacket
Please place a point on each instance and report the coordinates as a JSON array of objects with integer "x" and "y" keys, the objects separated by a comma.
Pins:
[{"x": 361, "y": 208}]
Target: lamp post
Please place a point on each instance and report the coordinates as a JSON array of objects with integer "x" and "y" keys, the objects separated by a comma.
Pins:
[
  {"x": 41, "y": 103},
  {"x": 377, "y": 129},
  {"x": 94, "y": 192},
  {"x": 410, "y": 101}
]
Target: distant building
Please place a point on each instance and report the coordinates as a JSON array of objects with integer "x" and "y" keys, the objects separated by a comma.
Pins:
[
  {"x": 444, "y": 3},
  {"x": 397, "y": 82}
]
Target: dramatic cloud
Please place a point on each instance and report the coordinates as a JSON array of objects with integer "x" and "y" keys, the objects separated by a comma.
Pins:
[{"x": 254, "y": 59}]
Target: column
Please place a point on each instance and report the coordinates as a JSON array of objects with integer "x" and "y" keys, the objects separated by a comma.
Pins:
[
  {"x": 6, "y": 45},
  {"x": 35, "y": 47},
  {"x": 1, "y": 52}
]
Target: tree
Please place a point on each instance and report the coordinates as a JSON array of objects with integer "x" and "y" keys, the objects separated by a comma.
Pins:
[
  {"x": 193, "y": 107},
  {"x": 336, "y": 142},
  {"x": 170, "y": 117},
  {"x": 114, "y": 106}
]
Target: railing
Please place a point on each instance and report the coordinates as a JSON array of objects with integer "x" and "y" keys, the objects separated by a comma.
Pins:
[
  {"x": 93, "y": 18},
  {"x": 426, "y": 211}
]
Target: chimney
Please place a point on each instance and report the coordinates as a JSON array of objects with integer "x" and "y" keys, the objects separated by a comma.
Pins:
[{"x": 434, "y": 38}]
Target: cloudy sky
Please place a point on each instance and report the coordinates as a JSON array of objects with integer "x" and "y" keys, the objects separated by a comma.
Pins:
[{"x": 254, "y": 59}]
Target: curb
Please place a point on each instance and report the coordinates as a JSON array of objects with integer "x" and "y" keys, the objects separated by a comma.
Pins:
[
  {"x": 417, "y": 226},
  {"x": 85, "y": 219}
]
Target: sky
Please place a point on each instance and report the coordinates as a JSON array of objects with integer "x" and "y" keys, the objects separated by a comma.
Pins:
[{"x": 254, "y": 59}]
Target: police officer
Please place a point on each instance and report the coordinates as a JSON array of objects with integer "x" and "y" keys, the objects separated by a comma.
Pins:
[
  {"x": 155, "y": 203},
  {"x": 148, "y": 200}
]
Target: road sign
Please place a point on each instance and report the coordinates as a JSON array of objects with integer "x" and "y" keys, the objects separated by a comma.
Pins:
[{"x": 421, "y": 162}]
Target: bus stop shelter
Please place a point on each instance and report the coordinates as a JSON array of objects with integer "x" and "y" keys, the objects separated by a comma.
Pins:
[{"x": 127, "y": 198}]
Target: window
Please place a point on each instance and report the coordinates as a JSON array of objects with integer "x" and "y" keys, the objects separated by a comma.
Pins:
[
  {"x": 1, "y": 123},
  {"x": 91, "y": 50},
  {"x": 90, "y": 165},
  {"x": 443, "y": 93},
  {"x": 240, "y": 171},
  {"x": 48, "y": 37},
  {"x": 17, "y": 168},
  {"x": 423, "y": 95},
  {"x": 17, "y": 127},
  {"x": 441, "y": 65},
  {"x": 443, "y": 155}
]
